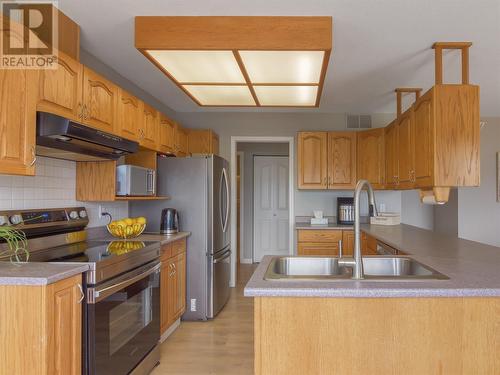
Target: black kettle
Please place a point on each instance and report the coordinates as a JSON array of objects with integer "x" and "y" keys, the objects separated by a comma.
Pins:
[{"x": 169, "y": 221}]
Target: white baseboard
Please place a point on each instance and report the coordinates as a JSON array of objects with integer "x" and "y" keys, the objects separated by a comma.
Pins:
[
  {"x": 246, "y": 261},
  {"x": 170, "y": 330}
]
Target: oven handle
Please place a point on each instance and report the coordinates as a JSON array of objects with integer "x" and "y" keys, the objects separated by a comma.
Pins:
[{"x": 97, "y": 294}]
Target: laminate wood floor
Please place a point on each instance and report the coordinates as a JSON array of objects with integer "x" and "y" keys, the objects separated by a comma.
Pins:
[{"x": 218, "y": 347}]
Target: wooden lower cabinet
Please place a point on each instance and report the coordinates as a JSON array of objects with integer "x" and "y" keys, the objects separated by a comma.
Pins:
[
  {"x": 325, "y": 242},
  {"x": 318, "y": 249},
  {"x": 376, "y": 336},
  {"x": 173, "y": 283},
  {"x": 41, "y": 328}
]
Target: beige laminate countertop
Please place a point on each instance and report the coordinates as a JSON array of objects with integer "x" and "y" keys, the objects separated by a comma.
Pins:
[
  {"x": 44, "y": 273},
  {"x": 38, "y": 273},
  {"x": 472, "y": 268},
  {"x": 163, "y": 238}
]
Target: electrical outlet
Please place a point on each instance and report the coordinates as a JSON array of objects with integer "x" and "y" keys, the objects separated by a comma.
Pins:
[
  {"x": 102, "y": 211},
  {"x": 193, "y": 304}
]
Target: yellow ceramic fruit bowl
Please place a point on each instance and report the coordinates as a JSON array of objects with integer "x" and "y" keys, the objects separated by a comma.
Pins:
[{"x": 127, "y": 228}]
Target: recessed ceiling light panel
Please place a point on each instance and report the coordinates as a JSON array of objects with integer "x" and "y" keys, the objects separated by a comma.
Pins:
[
  {"x": 242, "y": 60},
  {"x": 296, "y": 96},
  {"x": 221, "y": 95},
  {"x": 283, "y": 66},
  {"x": 199, "y": 66}
]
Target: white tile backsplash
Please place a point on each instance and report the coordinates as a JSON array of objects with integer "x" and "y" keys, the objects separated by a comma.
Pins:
[{"x": 53, "y": 186}]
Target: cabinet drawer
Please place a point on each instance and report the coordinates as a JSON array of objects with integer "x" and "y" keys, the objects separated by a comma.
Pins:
[
  {"x": 166, "y": 252},
  {"x": 320, "y": 236},
  {"x": 318, "y": 249},
  {"x": 178, "y": 247}
]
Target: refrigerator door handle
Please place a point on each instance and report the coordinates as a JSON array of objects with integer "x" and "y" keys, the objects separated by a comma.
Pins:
[
  {"x": 224, "y": 173},
  {"x": 220, "y": 201}
]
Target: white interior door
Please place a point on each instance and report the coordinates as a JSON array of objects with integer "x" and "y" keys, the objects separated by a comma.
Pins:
[{"x": 270, "y": 214}]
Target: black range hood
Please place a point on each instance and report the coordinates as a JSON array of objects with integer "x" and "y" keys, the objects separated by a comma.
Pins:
[{"x": 61, "y": 138}]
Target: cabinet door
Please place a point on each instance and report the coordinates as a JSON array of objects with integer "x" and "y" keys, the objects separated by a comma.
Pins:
[
  {"x": 164, "y": 295},
  {"x": 149, "y": 130},
  {"x": 424, "y": 140},
  {"x": 215, "y": 144},
  {"x": 391, "y": 155},
  {"x": 200, "y": 141},
  {"x": 341, "y": 160},
  {"x": 348, "y": 242},
  {"x": 405, "y": 150},
  {"x": 182, "y": 141},
  {"x": 318, "y": 249},
  {"x": 60, "y": 90},
  {"x": 312, "y": 161},
  {"x": 128, "y": 115},
  {"x": 180, "y": 273},
  {"x": 99, "y": 100},
  {"x": 166, "y": 142},
  {"x": 65, "y": 312},
  {"x": 172, "y": 292},
  {"x": 371, "y": 157},
  {"x": 17, "y": 121}
]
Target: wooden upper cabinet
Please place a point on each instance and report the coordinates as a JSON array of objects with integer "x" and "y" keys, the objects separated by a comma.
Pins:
[
  {"x": 423, "y": 140},
  {"x": 391, "y": 156},
  {"x": 371, "y": 157},
  {"x": 99, "y": 101},
  {"x": 406, "y": 151},
  {"x": 215, "y": 143},
  {"x": 203, "y": 141},
  {"x": 128, "y": 116},
  {"x": 312, "y": 160},
  {"x": 341, "y": 160},
  {"x": 149, "y": 127},
  {"x": 167, "y": 135},
  {"x": 60, "y": 90},
  {"x": 17, "y": 121},
  {"x": 182, "y": 141}
]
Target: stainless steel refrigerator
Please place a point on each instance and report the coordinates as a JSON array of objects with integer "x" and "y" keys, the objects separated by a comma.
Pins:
[{"x": 199, "y": 190}]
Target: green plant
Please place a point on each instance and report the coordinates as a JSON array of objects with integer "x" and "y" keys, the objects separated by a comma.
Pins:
[{"x": 16, "y": 244}]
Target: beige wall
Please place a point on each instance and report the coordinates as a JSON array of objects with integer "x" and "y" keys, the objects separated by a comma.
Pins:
[{"x": 478, "y": 210}]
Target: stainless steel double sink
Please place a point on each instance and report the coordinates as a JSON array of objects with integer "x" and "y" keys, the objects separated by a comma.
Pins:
[{"x": 383, "y": 268}]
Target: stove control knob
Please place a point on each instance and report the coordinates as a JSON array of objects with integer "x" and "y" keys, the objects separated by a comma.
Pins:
[
  {"x": 4, "y": 220},
  {"x": 83, "y": 214},
  {"x": 16, "y": 219},
  {"x": 73, "y": 215}
]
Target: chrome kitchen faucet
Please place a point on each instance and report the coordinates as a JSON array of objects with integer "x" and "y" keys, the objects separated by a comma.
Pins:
[{"x": 356, "y": 263}]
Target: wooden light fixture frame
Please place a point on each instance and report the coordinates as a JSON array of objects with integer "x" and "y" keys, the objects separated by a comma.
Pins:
[{"x": 238, "y": 33}]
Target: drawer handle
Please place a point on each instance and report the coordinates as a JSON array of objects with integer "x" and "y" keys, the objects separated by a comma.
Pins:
[{"x": 82, "y": 295}]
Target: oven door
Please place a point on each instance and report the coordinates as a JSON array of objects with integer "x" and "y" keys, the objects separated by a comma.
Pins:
[{"x": 123, "y": 321}]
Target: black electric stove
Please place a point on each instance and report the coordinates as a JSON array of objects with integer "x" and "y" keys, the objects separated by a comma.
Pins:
[{"x": 121, "y": 310}]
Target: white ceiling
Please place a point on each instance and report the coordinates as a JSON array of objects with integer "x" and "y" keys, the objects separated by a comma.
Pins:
[{"x": 378, "y": 45}]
